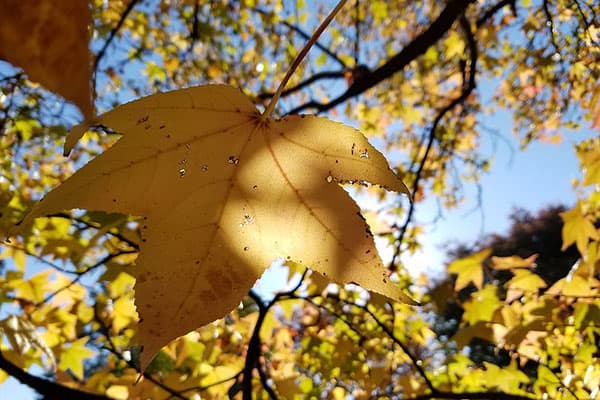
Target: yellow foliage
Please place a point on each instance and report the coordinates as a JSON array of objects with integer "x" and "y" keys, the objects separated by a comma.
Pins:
[{"x": 215, "y": 199}]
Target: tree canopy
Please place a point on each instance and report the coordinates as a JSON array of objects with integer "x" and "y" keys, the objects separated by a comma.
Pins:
[{"x": 516, "y": 318}]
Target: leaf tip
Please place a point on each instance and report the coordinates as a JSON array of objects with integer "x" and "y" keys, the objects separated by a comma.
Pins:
[{"x": 76, "y": 133}]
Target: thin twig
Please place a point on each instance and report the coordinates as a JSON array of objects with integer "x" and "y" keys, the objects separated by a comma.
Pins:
[
  {"x": 253, "y": 352},
  {"x": 312, "y": 79},
  {"x": 48, "y": 389},
  {"x": 414, "y": 360},
  {"x": 90, "y": 224},
  {"x": 485, "y": 17},
  {"x": 195, "y": 24},
  {"x": 357, "y": 33},
  {"x": 306, "y": 36},
  {"x": 113, "y": 349},
  {"x": 111, "y": 37},
  {"x": 82, "y": 273},
  {"x": 206, "y": 387},
  {"x": 468, "y": 88},
  {"x": 299, "y": 58},
  {"x": 550, "y": 24},
  {"x": 417, "y": 47},
  {"x": 266, "y": 385}
]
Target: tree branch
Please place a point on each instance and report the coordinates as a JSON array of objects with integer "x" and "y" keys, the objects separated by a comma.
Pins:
[
  {"x": 357, "y": 32},
  {"x": 253, "y": 352},
  {"x": 468, "y": 88},
  {"x": 305, "y": 36},
  {"x": 314, "y": 78},
  {"x": 80, "y": 275},
  {"x": 410, "y": 52},
  {"x": 195, "y": 24},
  {"x": 550, "y": 25},
  {"x": 114, "y": 350},
  {"x": 111, "y": 37},
  {"x": 50, "y": 390},
  {"x": 264, "y": 379},
  {"x": 494, "y": 9},
  {"x": 416, "y": 362},
  {"x": 98, "y": 226}
]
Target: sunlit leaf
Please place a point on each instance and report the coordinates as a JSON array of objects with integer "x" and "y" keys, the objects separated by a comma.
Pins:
[{"x": 223, "y": 199}]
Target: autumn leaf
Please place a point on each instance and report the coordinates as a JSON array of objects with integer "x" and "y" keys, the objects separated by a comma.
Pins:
[
  {"x": 513, "y": 262},
  {"x": 469, "y": 270},
  {"x": 578, "y": 229},
  {"x": 48, "y": 39},
  {"x": 482, "y": 305},
  {"x": 72, "y": 358},
  {"x": 223, "y": 194},
  {"x": 523, "y": 281},
  {"x": 574, "y": 286}
]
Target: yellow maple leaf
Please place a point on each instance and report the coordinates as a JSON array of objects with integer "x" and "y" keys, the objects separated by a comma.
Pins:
[
  {"x": 72, "y": 357},
  {"x": 48, "y": 39},
  {"x": 578, "y": 228},
  {"x": 469, "y": 269},
  {"x": 223, "y": 193}
]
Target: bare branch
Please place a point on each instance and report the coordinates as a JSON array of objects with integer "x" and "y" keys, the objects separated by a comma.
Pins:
[
  {"x": 494, "y": 9},
  {"x": 253, "y": 352},
  {"x": 314, "y": 78},
  {"x": 410, "y": 52},
  {"x": 113, "y": 349},
  {"x": 468, "y": 88},
  {"x": 305, "y": 36},
  {"x": 111, "y": 37},
  {"x": 50, "y": 390}
]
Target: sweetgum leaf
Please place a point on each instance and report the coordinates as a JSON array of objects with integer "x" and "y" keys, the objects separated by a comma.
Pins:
[
  {"x": 223, "y": 194},
  {"x": 49, "y": 40}
]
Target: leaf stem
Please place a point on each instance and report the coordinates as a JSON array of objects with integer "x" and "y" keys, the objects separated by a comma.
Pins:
[{"x": 271, "y": 106}]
